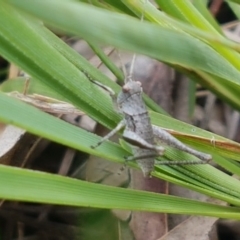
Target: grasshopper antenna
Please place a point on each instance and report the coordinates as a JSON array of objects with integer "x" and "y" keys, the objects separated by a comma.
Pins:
[
  {"x": 130, "y": 76},
  {"x": 122, "y": 65}
]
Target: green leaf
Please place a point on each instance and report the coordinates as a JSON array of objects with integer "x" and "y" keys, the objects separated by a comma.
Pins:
[
  {"x": 71, "y": 83},
  {"x": 47, "y": 126},
  {"x": 111, "y": 66},
  {"x": 197, "y": 178},
  {"x": 185, "y": 10},
  {"x": 235, "y": 1},
  {"x": 201, "y": 6},
  {"x": 173, "y": 47},
  {"x": 54, "y": 189},
  {"x": 235, "y": 7},
  {"x": 190, "y": 52}
]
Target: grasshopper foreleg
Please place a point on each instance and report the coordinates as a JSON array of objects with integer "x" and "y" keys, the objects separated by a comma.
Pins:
[
  {"x": 171, "y": 141},
  {"x": 120, "y": 125},
  {"x": 108, "y": 89}
]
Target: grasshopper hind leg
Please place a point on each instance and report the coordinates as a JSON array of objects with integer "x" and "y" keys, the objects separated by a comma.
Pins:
[{"x": 171, "y": 141}]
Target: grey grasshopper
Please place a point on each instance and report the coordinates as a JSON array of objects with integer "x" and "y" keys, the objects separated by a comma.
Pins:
[
  {"x": 138, "y": 130},
  {"x": 141, "y": 134}
]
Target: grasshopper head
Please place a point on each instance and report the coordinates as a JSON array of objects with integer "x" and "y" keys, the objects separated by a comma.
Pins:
[
  {"x": 132, "y": 87},
  {"x": 129, "y": 100},
  {"x": 129, "y": 91}
]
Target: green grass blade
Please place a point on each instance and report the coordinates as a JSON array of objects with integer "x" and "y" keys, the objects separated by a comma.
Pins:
[
  {"x": 202, "y": 8},
  {"x": 186, "y": 11},
  {"x": 71, "y": 83},
  {"x": 34, "y": 186},
  {"x": 235, "y": 7},
  {"x": 235, "y": 1},
  {"x": 111, "y": 66},
  {"x": 166, "y": 46},
  {"x": 49, "y": 127},
  {"x": 135, "y": 36}
]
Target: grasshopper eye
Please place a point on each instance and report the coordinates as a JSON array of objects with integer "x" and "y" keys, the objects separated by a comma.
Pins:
[{"x": 125, "y": 88}]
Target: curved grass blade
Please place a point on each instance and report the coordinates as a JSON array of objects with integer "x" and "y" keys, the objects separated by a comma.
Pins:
[{"x": 132, "y": 32}]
